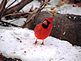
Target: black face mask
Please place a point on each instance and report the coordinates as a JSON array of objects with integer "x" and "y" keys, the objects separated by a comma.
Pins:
[{"x": 46, "y": 26}]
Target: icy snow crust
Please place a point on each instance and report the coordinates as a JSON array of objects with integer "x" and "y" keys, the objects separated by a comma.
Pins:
[{"x": 18, "y": 43}]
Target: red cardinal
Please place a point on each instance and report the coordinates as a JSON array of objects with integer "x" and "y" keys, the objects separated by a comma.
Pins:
[{"x": 43, "y": 29}]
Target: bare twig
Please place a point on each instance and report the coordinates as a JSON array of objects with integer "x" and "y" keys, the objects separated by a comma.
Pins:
[
  {"x": 17, "y": 15},
  {"x": 2, "y": 7},
  {"x": 17, "y": 7},
  {"x": 30, "y": 17},
  {"x": 11, "y": 4}
]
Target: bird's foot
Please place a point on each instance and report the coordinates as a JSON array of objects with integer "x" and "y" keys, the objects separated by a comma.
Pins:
[
  {"x": 35, "y": 42},
  {"x": 42, "y": 43}
]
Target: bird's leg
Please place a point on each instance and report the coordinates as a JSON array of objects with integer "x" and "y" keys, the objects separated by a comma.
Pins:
[
  {"x": 42, "y": 43},
  {"x": 35, "y": 42}
]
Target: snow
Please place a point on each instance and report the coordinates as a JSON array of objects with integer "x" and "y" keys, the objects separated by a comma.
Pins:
[
  {"x": 65, "y": 9},
  {"x": 34, "y": 3},
  {"x": 10, "y": 1},
  {"x": 69, "y": 9},
  {"x": 18, "y": 43}
]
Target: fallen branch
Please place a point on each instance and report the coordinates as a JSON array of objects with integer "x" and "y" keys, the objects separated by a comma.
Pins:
[
  {"x": 2, "y": 7},
  {"x": 36, "y": 12},
  {"x": 17, "y": 7},
  {"x": 4, "y": 23},
  {"x": 16, "y": 15}
]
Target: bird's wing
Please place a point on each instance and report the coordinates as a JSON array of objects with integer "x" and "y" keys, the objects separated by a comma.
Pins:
[{"x": 38, "y": 28}]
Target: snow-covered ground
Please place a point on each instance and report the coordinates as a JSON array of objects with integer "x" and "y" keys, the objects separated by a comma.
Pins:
[
  {"x": 65, "y": 9},
  {"x": 69, "y": 9},
  {"x": 18, "y": 43}
]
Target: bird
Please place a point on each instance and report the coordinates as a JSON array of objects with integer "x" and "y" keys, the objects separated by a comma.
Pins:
[{"x": 43, "y": 29}]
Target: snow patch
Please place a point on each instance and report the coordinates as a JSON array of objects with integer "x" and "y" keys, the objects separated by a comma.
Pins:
[
  {"x": 69, "y": 9},
  {"x": 18, "y": 43}
]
